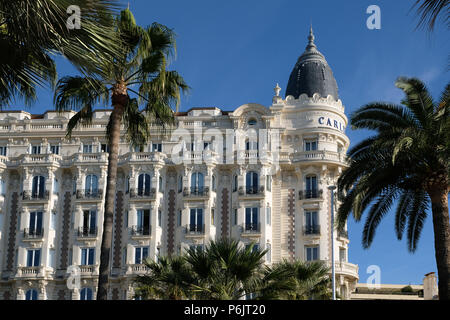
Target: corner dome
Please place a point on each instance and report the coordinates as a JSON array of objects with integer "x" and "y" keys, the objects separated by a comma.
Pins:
[{"x": 312, "y": 74}]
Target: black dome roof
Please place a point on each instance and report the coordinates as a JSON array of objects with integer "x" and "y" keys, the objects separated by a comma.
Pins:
[{"x": 312, "y": 74}]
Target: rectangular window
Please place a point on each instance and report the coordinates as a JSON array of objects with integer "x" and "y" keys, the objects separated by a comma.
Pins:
[
  {"x": 179, "y": 218},
  {"x": 36, "y": 149},
  {"x": 2, "y": 187},
  {"x": 235, "y": 216},
  {"x": 342, "y": 255},
  {"x": 54, "y": 149},
  {"x": 180, "y": 183},
  {"x": 141, "y": 253},
  {"x": 87, "y": 148},
  {"x": 235, "y": 183},
  {"x": 196, "y": 220},
  {"x": 269, "y": 183},
  {"x": 310, "y": 145},
  {"x": 159, "y": 218},
  {"x": 269, "y": 216},
  {"x": 33, "y": 258},
  {"x": 87, "y": 256},
  {"x": 3, "y": 151},
  {"x": 143, "y": 222},
  {"x": 311, "y": 222},
  {"x": 124, "y": 256},
  {"x": 89, "y": 222},
  {"x": 105, "y": 147},
  {"x": 251, "y": 219},
  {"x": 157, "y": 147},
  {"x": 35, "y": 225},
  {"x": 312, "y": 253},
  {"x": 212, "y": 217}
]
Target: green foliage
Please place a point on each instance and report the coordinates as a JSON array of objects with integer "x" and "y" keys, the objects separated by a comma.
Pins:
[
  {"x": 407, "y": 289},
  {"x": 226, "y": 271},
  {"x": 405, "y": 160}
]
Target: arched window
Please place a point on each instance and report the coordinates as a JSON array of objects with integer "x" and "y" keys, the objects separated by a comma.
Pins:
[
  {"x": 91, "y": 186},
  {"x": 251, "y": 144},
  {"x": 144, "y": 184},
  {"x": 31, "y": 294},
  {"x": 311, "y": 186},
  {"x": 197, "y": 183},
  {"x": 251, "y": 182},
  {"x": 38, "y": 188},
  {"x": 86, "y": 294}
]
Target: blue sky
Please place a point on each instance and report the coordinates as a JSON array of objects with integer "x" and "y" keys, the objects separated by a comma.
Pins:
[{"x": 234, "y": 52}]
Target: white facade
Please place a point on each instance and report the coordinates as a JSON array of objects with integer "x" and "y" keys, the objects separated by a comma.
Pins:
[{"x": 283, "y": 205}]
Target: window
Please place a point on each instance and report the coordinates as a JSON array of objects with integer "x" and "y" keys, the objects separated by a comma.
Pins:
[
  {"x": 180, "y": 183},
  {"x": 2, "y": 187},
  {"x": 124, "y": 255},
  {"x": 252, "y": 122},
  {"x": 159, "y": 218},
  {"x": 89, "y": 222},
  {"x": 53, "y": 221},
  {"x": 311, "y": 187},
  {"x": 140, "y": 254},
  {"x": 206, "y": 145},
  {"x": 3, "y": 150},
  {"x": 38, "y": 187},
  {"x": 269, "y": 252},
  {"x": 312, "y": 253},
  {"x": 33, "y": 258},
  {"x": 144, "y": 183},
  {"x": 143, "y": 222},
  {"x": 213, "y": 183},
  {"x": 35, "y": 225},
  {"x": 31, "y": 294},
  {"x": 157, "y": 147},
  {"x": 212, "y": 216},
  {"x": 342, "y": 255},
  {"x": 91, "y": 185},
  {"x": 35, "y": 149},
  {"x": 255, "y": 246},
  {"x": 269, "y": 183},
  {"x": 251, "y": 145},
  {"x": 86, "y": 294},
  {"x": 55, "y": 186},
  {"x": 252, "y": 182},
  {"x": 251, "y": 219},
  {"x": 138, "y": 149},
  {"x": 235, "y": 216},
  {"x": 160, "y": 187},
  {"x": 87, "y": 256},
  {"x": 196, "y": 220},
  {"x": 179, "y": 218},
  {"x": 311, "y": 222},
  {"x": 51, "y": 258},
  {"x": 269, "y": 216},
  {"x": 104, "y": 147},
  {"x": 235, "y": 183},
  {"x": 197, "y": 183},
  {"x": 196, "y": 247},
  {"x": 54, "y": 149},
  {"x": 310, "y": 145},
  {"x": 127, "y": 185},
  {"x": 87, "y": 148}
]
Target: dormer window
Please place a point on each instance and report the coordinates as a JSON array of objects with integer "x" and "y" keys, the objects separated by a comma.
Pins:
[{"x": 252, "y": 122}]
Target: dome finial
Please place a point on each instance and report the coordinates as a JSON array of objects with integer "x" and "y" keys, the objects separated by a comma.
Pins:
[{"x": 311, "y": 37}]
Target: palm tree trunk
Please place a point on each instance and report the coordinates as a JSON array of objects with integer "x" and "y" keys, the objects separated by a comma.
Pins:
[
  {"x": 118, "y": 100},
  {"x": 441, "y": 225}
]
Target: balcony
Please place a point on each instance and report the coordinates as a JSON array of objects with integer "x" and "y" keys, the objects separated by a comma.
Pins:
[
  {"x": 30, "y": 272},
  {"x": 88, "y": 270},
  {"x": 343, "y": 234},
  {"x": 137, "y": 269},
  {"x": 251, "y": 229},
  {"x": 311, "y": 230},
  {"x": 141, "y": 231},
  {"x": 310, "y": 194},
  {"x": 251, "y": 192},
  {"x": 195, "y": 230},
  {"x": 89, "y": 194},
  {"x": 196, "y": 192},
  {"x": 87, "y": 232},
  {"x": 37, "y": 196},
  {"x": 33, "y": 234},
  {"x": 143, "y": 194}
]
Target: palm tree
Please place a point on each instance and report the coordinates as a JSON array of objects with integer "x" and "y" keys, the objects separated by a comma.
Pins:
[
  {"x": 407, "y": 160},
  {"x": 429, "y": 11},
  {"x": 141, "y": 63},
  {"x": 32, "y": 30},
  {"x": 224, "y": 270},
  {"x": 296, "y": 280},
  {"x": 169, "y": 278}
]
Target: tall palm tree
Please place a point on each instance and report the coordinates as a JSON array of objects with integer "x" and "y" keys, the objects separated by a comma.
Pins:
[
  {"x": 430, "y": 10},
  {"x": 407, "y": 160},
  {"x": 139, "y": 70},
  {"x": 31, "y": 31}
]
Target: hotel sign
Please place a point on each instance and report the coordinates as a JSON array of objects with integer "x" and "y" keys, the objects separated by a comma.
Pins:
[{"x": 331, "y": 123}]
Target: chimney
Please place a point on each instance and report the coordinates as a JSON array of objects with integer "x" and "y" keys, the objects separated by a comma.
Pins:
[{"x": 430, "y": 288}]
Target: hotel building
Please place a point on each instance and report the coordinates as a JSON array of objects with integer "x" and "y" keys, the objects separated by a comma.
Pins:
[{"x": 256, "y": 174}]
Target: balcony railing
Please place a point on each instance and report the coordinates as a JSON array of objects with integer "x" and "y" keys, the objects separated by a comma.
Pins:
[
  {"x": 251, "y": 190},
  {"x": 310, "y": 194},
  {"x": 195, "y": 229},
  {"x": 142, "y": 193},
  {"x": 33, "y": 233},
  {"x": 196, "y": 192},
  {"x": 141, "y": 230},
  {"x": 89, "y": 194},
  {"x": 311, "y": 229},
  {"x": 27, "y": 195},
  {"x": 251, "y": 228},
  {"x": 87, "y": 232}
]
